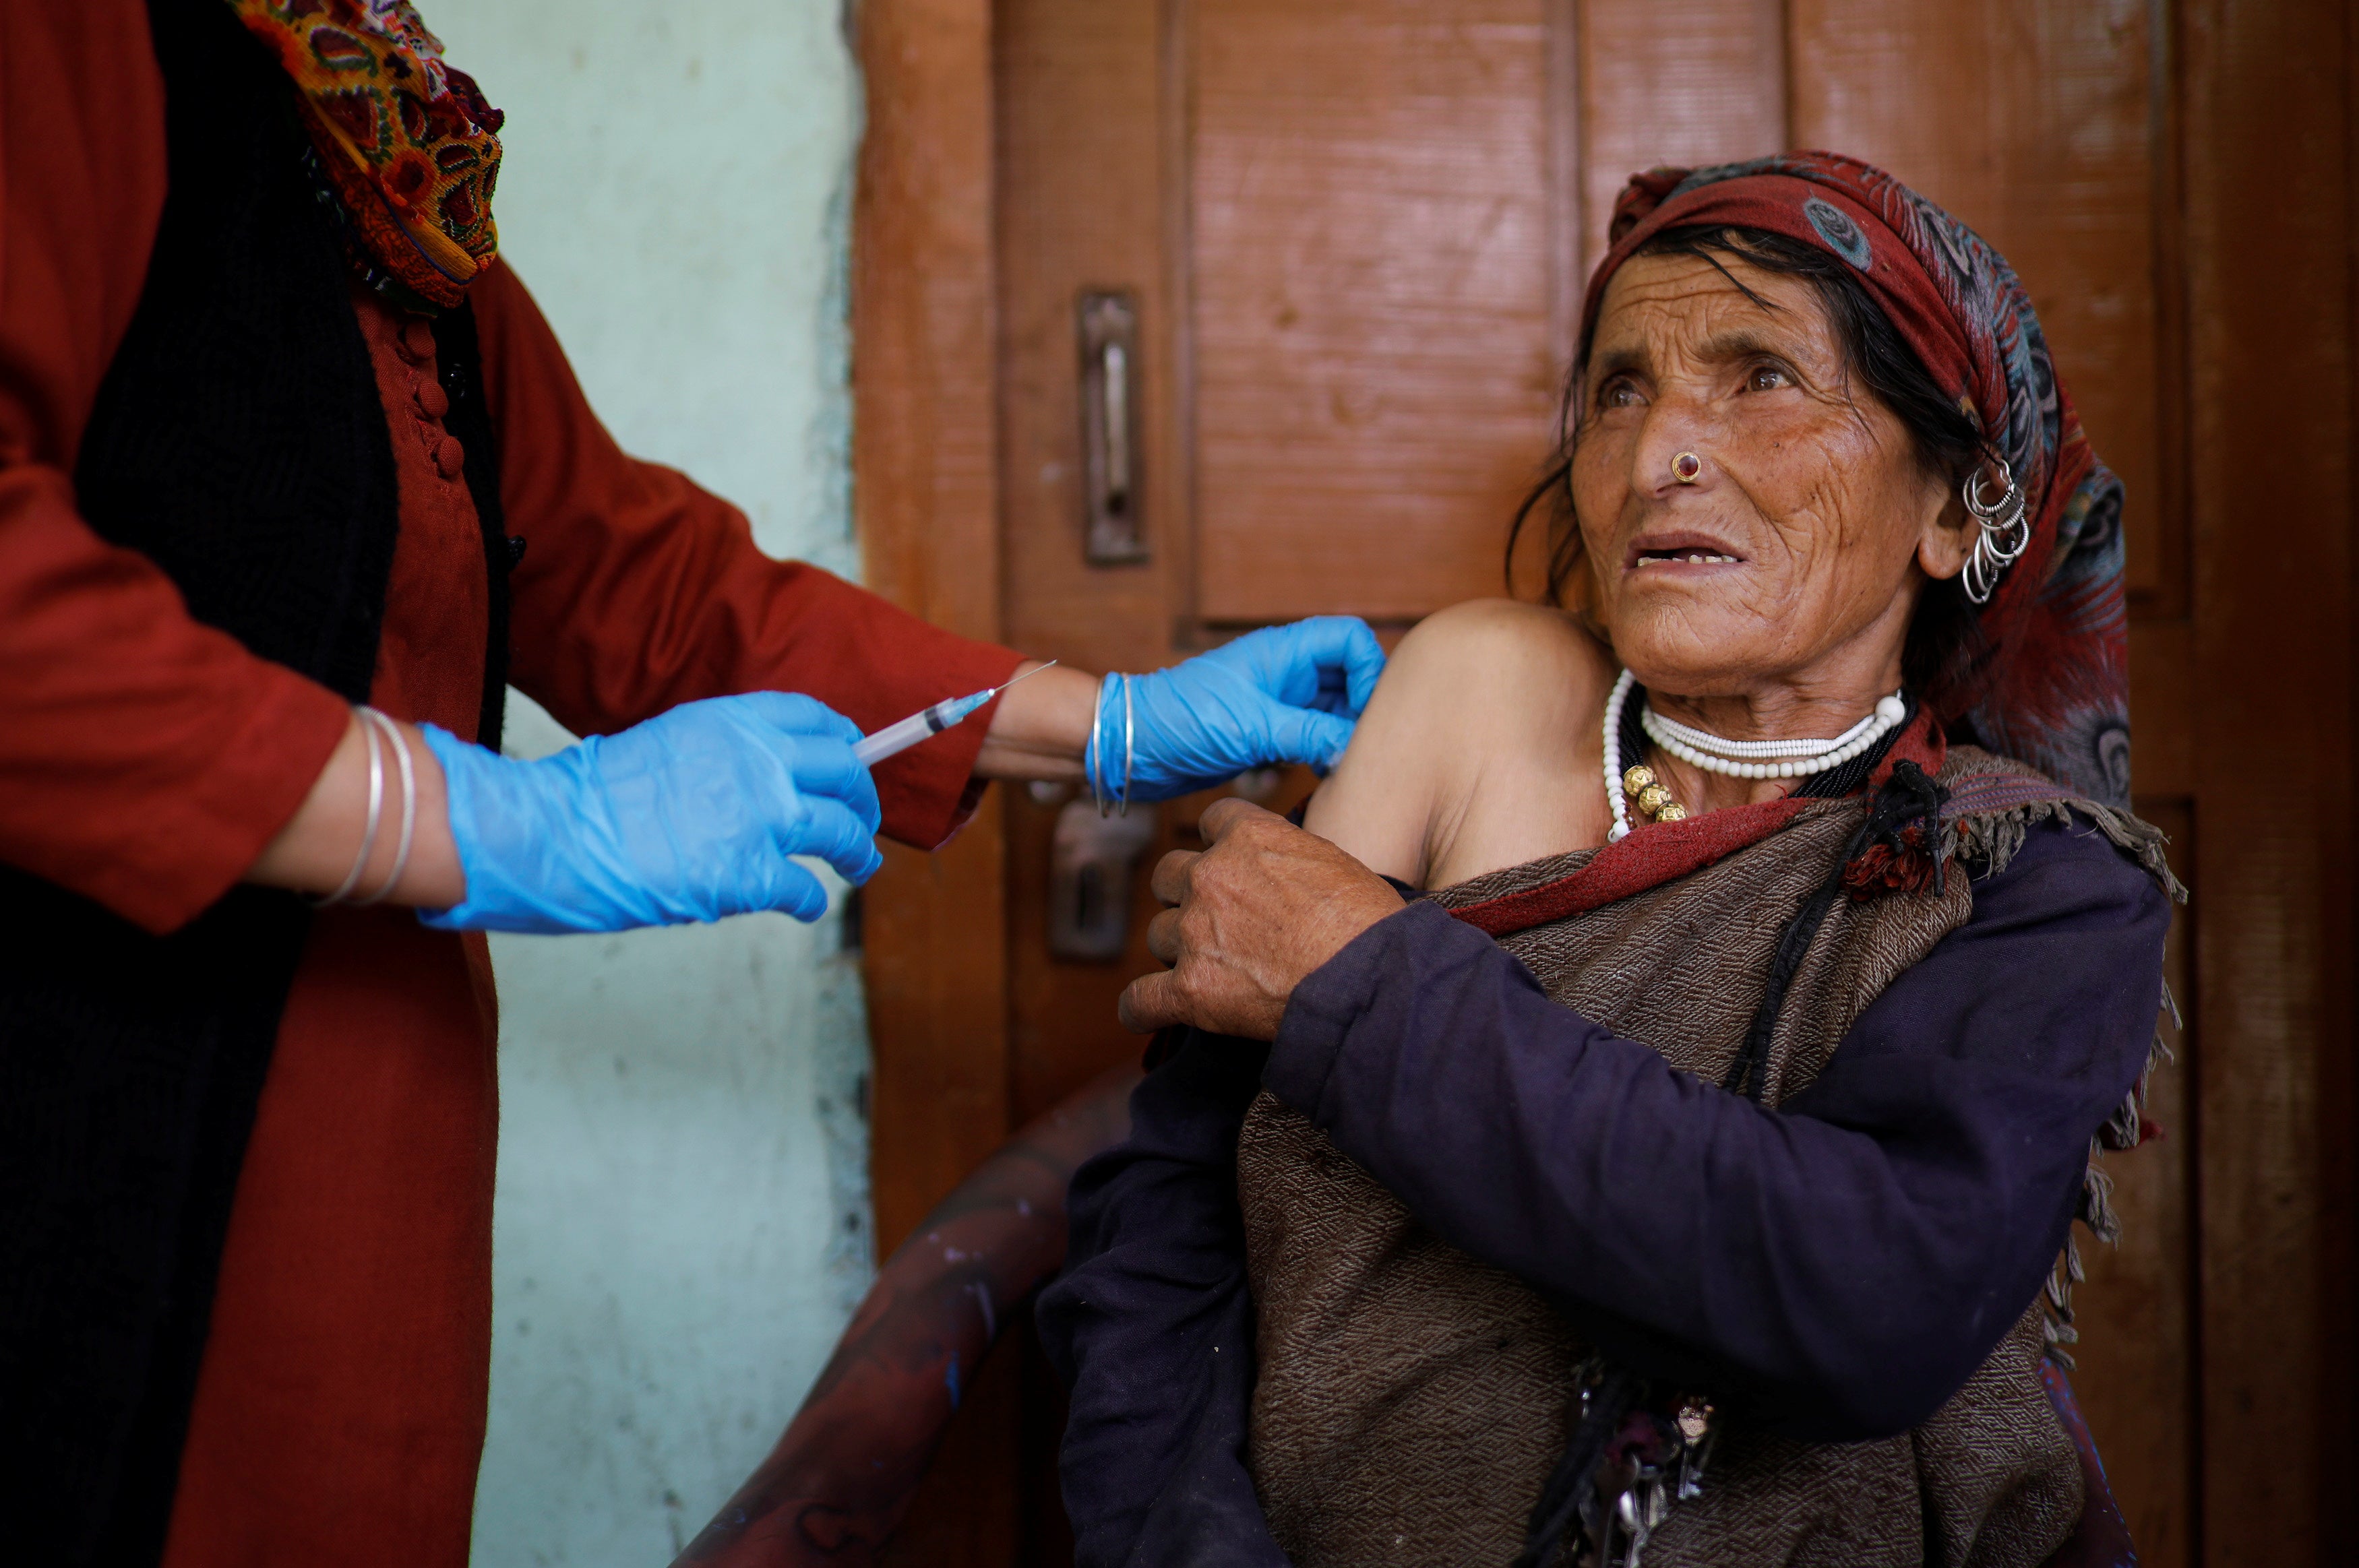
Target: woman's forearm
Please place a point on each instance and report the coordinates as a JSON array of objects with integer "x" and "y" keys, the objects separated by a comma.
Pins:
[
  {"x": 315, "y": 852},
  {"x": 1854, "y": 1254},
  {"x": 1038, "y": 731},
  {"x": 1783, "y": 1252},
  {"x": 1041, "y": 728}
]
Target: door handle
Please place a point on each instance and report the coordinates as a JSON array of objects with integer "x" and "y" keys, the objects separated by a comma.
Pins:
[
  {"x": 1106, "y": 321},
  {"x": 1091, "y": 860}
]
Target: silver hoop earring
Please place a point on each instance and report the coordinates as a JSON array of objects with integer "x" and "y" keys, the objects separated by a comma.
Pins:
[{"x": 2003, "y": 532}]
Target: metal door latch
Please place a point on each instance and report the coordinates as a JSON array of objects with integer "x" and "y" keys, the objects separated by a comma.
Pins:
[
  {"x": 1108, "y": 326},
  {"x": 1090, "y": 860}
]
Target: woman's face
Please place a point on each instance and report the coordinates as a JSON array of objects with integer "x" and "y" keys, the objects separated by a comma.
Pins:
[{"x": 1796, "y": 556}]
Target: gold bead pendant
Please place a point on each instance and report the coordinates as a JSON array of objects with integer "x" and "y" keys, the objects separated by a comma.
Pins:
[{"x": 1649, "y": 795}]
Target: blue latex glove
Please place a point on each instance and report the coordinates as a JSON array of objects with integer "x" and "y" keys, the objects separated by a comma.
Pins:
[
  {"x": 1284, "y": 694},
  {"x": 690, "y": 816}
]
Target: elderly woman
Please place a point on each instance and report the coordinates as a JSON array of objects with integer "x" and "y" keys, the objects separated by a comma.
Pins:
[{"x": 1681, "y": 1171}]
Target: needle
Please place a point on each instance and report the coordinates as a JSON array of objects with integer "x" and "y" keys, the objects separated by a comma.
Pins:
[{"x": 895, "y": 739}]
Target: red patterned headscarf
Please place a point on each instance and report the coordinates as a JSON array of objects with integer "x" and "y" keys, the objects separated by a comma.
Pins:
[
  {"x": 407, "y": 141},
  {"x": 2053, "y": 689}
]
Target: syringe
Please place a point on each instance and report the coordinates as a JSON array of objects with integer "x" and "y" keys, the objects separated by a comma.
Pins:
[{"x": 895, "y": 739}]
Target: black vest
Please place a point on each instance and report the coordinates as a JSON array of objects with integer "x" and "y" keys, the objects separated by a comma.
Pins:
[{"x": 240, "y": 442}]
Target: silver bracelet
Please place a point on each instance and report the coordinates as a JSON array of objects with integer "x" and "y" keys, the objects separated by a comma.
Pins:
[
  {"x": 376, "y": 811},
  {"x": 1129, "y": 733},
  {"x": 409, "y": 809},
  {"x": 1090, "y": 770}
]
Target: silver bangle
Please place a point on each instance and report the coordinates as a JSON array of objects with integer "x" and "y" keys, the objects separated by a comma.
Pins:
[
  {"x": 409, "y": 809},
  {"x": 376, "y": 812},
  {"x": 1089, "y": 772},
  {"x": 1129, "y": 733}
]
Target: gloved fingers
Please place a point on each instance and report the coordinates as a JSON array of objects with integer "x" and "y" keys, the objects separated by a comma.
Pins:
[
  {"x": 796, "y": 714},
  {"x": 798, "y": 893},
  {"x": 824, "y": 769},
  {"x": 832, "y": 832},
  {"x": 1333, "y": 696},
  {"x": 1307, "y": 735},
  {"x": 1337, "y": 645}
]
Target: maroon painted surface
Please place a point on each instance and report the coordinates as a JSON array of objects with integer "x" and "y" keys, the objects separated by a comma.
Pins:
[{"x": 840, "y": 1479}]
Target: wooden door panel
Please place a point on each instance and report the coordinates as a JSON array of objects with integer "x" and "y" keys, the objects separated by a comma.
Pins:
[
  {"x": 1373, "y": 375},
  {"x": 1687, "y": 84},
  {"x": 2034, "y": 122},
  {"x": 1080, "y": 206},
  {"x": 2162, "y": 674},
  {"x": 926, "y": 503},
  {"x": 1085, "y": 201},
  {"x": 2271, "y": 508},
  {"x": 2135, "y": 1373}
]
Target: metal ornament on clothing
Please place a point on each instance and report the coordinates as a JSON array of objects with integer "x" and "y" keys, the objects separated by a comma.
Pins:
[{"x": 1621, "y": 1489}]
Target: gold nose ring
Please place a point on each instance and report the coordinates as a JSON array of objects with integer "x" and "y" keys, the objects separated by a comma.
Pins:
[{"x": 1687, "y": 468}]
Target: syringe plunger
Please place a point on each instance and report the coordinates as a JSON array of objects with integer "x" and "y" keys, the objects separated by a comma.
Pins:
[{"x": 895, "y": 739}]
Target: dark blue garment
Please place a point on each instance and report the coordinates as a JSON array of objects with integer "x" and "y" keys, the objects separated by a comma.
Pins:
[
  {"x": 1836, "y": 1267},
  {"x": 1153, "y": 1329}
]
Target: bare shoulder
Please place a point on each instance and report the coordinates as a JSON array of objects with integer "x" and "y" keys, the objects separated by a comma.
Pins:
[
  {"x": 1470, "y": 746},
  {"x": 1508, "y": 645}
]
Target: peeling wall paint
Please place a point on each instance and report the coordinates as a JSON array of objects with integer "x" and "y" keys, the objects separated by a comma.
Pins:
[{"x": 682, "y": 1221}]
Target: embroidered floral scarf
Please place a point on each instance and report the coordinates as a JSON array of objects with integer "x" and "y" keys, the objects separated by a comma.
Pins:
[{"x": 406, "y": 141}]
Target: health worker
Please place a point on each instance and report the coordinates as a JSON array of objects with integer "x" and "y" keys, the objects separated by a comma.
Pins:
[{"x": 294, "y": 482}]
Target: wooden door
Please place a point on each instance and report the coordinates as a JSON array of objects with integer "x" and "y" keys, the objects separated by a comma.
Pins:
[{"x": 1355, "y": 233}]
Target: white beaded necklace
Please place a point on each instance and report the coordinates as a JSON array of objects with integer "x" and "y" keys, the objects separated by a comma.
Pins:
[
  {"x": 1771, "y": 759},
  {"x": 1613, "y": 701},
  {"x": 1732, "y": 759}
]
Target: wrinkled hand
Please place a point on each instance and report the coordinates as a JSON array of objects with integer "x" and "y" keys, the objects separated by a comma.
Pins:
[
  {"x": 1254, "y": 914},
  {"x": 1282, "y": 694},
  {"x": 693, "y": 815}
]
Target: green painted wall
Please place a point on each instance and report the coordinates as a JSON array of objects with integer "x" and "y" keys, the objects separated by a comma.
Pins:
[{"x": 682, "y": 1220}]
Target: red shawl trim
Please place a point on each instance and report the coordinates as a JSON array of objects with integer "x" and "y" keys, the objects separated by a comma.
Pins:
[
  {"x": 1922, "y": 743},
  {"x": 1649, "y": 857},
  {"x": 1665, "y": 852}
]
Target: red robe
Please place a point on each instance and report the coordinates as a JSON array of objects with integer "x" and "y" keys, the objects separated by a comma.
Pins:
[{"x": 146, "y": 760}]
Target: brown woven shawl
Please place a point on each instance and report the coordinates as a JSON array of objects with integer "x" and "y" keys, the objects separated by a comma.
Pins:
[{"x": 1412, "y": 1401}]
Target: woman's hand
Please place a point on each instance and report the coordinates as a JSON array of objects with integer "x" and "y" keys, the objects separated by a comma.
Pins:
[
  {"x": 1254, "y": 914},
  {"x": 693, "y": 815},
  {"x": 1283, "y": 694}
]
